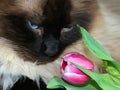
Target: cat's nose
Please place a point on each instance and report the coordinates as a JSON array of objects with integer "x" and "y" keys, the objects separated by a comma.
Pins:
[{"x": 51, "y": 48}]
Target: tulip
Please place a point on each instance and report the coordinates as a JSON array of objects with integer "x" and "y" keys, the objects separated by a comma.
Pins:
[{"x": 72, "y": 74}]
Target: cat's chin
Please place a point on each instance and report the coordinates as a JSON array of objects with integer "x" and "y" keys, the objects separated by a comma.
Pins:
[{"x": 31, "y": 36}]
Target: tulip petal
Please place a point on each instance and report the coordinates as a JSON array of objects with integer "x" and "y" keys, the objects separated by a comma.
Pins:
[
  {"x": 74, "y": 78},
  {"x": 57, "y": 82},
  {"x": 105, "y": 81},
  {"x": 72, "y": 74},
  {"x": 78, "y": 58}
]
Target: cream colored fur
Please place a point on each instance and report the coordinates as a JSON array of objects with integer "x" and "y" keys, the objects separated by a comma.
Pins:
[
  {"x": 12, "y": 66},
  {"x": 105, "y": 28}
]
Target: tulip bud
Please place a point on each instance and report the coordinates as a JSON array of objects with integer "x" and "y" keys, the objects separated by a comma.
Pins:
[{"x": 72, "y": 74}]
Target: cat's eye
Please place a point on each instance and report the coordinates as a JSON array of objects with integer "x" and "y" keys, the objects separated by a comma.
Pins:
[
  {"x": 67, "y": 29},
  {"x": 32, "y": 25}
]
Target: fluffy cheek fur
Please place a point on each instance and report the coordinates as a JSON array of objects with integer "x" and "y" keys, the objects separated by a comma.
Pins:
[{"x": 12, "y": 67}]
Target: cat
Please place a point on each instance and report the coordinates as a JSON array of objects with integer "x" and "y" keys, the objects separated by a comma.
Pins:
[
  {"x": 32, "y": 35},
  {"x": 35, "y": 33}
]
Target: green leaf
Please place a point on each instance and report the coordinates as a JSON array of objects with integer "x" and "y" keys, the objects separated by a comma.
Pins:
[
  {"x": 57, "y": 82},
  {"x": 97, "y": 48},
  {"x": 105, "y": 81},
  {"x": 116, "y": 65},
  {"x": 113, "y": 68},
  {"x": 94, "y": 46}
]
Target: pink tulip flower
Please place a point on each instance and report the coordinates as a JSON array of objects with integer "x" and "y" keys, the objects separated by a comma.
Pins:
[{"x": 72, "y": 74}]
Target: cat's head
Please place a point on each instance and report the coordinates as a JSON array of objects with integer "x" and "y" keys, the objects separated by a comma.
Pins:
[{"x": 39, "y": 29}]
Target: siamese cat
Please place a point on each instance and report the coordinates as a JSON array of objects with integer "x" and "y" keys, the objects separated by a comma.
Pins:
[{"x": 34, "y": 33}]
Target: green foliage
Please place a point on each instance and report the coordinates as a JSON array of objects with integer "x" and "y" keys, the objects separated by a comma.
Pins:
[
  {"x": 107, "y": 81},
  {"x": 57, "y": 82}
]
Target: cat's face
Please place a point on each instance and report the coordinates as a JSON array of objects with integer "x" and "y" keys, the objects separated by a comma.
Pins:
[{"x": 39, "y": 29}]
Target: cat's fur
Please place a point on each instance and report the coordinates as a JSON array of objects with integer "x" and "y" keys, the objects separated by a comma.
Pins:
[{"x": 33, "y": 53}]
